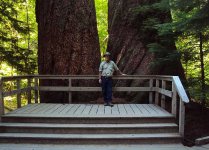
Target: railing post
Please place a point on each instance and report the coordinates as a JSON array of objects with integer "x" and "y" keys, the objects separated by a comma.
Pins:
[
  {"x": 1, "y": 98},
  {"x": 174, "y": 100},
  {"x": 156, "y": 92},
  {"x": 70, "y": 93},
  {"x": 163, "y": 96},
  {"x": 151, "y": 93},
  {"x": 29, "y": 91},
  {"x": 181, "y": 117},
  {"x": 18, "y": 94},
  {"x": 36, "y": 90}
]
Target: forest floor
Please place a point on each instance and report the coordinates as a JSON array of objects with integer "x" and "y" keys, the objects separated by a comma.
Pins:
[{"x": 197, "y": 123}]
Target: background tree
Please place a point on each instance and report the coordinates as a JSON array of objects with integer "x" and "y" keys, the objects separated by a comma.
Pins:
[
  {"x": 135, "y": 43},
  {"x": 67, "y": 42}
]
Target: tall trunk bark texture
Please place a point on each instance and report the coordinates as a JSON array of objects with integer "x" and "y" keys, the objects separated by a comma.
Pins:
[
  {"x": 68, "y": 44},
  {"x": 128, "y": 40}
]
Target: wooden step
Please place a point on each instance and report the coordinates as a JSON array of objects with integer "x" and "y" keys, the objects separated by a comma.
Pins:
[
  {"x": 164, "y": 138},
  {"x": 88, "y": 120},
  {"x": 88, "y": 128}
]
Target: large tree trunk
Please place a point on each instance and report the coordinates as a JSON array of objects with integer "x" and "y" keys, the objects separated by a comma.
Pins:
[
  {"x": 128, "y": 42},
  {"x": 67, "y": 41}
]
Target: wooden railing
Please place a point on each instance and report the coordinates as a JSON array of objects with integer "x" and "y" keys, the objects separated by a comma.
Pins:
[{"x": 160, "y": 88}]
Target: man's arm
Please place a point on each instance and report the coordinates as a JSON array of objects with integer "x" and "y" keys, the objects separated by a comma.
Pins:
[
  {"x": 118, "y": 70},
  {"x": 100, "y": 72},
  {"x": 100, "y": 76}
]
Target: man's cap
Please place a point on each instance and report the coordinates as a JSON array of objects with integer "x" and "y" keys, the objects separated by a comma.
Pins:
[{"x": 107, "y": 54}]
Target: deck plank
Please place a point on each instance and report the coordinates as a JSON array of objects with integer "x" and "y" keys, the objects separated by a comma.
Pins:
[
  {"x": 129, "y": 110},
  {"x": 48, "y": 106},
  {"x": 157, "y": 110},
  {"x": 80, "y": 109},
  {"x": 87, "y": 109},
  {"x": 101, "y": 110},
  {"x": 73, "y": 109},
  {"x": 121, "y": 109},
  {"x": 142, "y": 109},
  {"x": 150, "y": 109},
  {"x": 136, "y": 109},
  {"x": 115, "y": 110},
  {"x": 54, "y": 108},
  {"x": 94, "y": 110},
  {"x": 30, "y": 109},
  {"x": 58, "y": 110},
  {"x": 37, "y": 109},
  {"x": 147, "y": 109},
  {"x": 66, "y": 109},
  {"x": 47, "y": 109},
  {"x": 163, "y": 111},
  {"x": 108, "y": 110}
]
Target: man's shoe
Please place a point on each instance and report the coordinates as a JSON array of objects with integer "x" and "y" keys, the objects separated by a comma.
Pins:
[
  {"x": 106, "y": 104},
  {"x": 111, "y": 104}
]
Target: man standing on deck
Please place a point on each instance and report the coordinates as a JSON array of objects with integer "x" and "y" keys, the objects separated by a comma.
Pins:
[{"x": 106, "y": 71}]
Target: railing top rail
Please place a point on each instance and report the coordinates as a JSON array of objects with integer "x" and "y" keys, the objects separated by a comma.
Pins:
[
  {"x": 180, "y": 89},
  {"x": 163, "y": 77},
  {"x": 178, "y": 85}
]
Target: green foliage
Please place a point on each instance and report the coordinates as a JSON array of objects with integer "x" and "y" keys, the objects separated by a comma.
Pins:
[
  {"x": 18, "y": 35},
  {"x": 188, "y": 20},
  {"x": 191, "y": 20},
  {"x": 102, "y": 25},
  {"x": 156, "y": 31},
  {"x": 18, "y": 43}
]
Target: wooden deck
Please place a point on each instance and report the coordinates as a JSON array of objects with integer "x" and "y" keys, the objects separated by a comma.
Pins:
[
  {"x": 94, "y": 123},
  {"x": 90, "y": 110},
  {"x": 89, "y": 124}
]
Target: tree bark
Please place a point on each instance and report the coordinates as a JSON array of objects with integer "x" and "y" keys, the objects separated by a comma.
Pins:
[
  {"x": 67, "y": 42},
  {"x": 128, "y": 42}
]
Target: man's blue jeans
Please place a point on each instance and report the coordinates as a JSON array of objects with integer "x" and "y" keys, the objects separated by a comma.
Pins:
[{"x": 107, "y": 89}]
